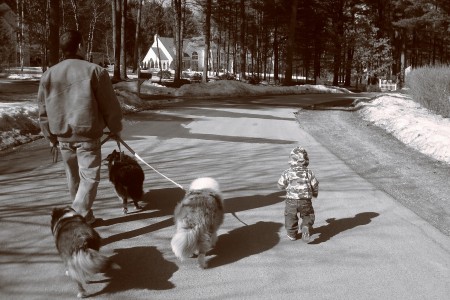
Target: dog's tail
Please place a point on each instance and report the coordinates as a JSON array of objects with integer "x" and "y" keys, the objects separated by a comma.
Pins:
[
  {"x": 184, "y": 242},
  {"x": 87, "y": 262}
]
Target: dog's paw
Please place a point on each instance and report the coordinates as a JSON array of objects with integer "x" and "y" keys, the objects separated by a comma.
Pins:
[
  {"x": 138, "y": 207},
  {"x": 81, "y": 294},
  {"x": 201, "y": 261},
  {"x": 125, "y": 210}
]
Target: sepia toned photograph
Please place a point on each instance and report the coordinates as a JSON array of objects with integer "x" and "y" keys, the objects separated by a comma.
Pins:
[{"x": 225, "y": 149}]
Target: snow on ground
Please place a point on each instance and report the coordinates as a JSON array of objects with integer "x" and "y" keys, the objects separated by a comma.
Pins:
[{"x": 412, "y": 124}]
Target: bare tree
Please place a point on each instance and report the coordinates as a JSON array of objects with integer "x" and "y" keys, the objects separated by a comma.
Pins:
[
  {"x": 291, "y": 43},
  {"x": 20, "y": 32},
  {"x": 207, "y": 40},
  {"x": 116, "y": 12},
  {"x": 53, "y": 38},
  {"x": 177, "y": 7},
  {"x": 243, "y": 53},
  {"x": 136, "y": 41},
  {"x": 123, "y": 54},
  {"x": 75, "y": 13}
]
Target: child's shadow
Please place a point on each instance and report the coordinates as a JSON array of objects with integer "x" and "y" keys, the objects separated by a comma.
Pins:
[
  {"x": 243, "y": 242},
  {"x": 334, "y": 227},
  {"x": 138, "y": 271}
]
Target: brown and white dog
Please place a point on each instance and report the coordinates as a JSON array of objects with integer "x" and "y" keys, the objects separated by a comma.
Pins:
[
  {"x": 197, "y": 218},
  {"x": 78, "y": 245}
]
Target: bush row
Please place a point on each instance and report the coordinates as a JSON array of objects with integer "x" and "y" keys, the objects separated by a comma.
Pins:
[{"x": 430, "y": 87}]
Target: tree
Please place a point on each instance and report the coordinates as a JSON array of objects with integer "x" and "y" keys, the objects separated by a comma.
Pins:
[
  {"x": 116, "y": 12},
  {"x": 291, "y": 43},
  {"x": 177, "y": 7},
  {"x": 136, "y": 42},
  {"x": 123, "y": 55},
  {"x": 207, "y": 40},
  {"x": 53, "y": 38},
  {"x": 243, "y": 50}
]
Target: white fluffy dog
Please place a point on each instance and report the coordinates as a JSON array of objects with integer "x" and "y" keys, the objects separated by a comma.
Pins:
[{"x": 197, "y": 219}]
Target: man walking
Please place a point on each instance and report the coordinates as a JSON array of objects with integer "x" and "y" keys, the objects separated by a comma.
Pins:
[{"x": 76, "y": 103}]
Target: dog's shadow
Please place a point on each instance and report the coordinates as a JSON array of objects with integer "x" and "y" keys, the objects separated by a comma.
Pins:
[
  {"x": 137, "y": 271},
  {"x": 243, "y": 242},
  {"x": 336, "y": 226}
]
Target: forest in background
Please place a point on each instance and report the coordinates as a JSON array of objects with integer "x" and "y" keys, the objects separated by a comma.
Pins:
[{"x": 341, "y": 41}]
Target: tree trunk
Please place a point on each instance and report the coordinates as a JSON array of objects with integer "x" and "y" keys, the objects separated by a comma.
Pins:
[
  {"x": 159, "y": 59},
  {"x": 116, "y": 38},
  {"x": 178, "y": 39},
  {"x": 53, "y": 38},
  {"x": 207, "y": 40},
  {"x": 136, "y": 58},
  {"x": 275, "y": 54},
  {"x": 20, "y": 32},
  {"x": 123, "y": 56},
  {"x": 242, "y": 41},
  {"x": 348, "y": 66},
  {"x": 291, "y": 44},
  {"x": 75, "y": 13}
]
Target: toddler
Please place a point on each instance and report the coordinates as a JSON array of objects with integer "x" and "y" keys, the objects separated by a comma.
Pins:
[{"x": 300, "y": 185}]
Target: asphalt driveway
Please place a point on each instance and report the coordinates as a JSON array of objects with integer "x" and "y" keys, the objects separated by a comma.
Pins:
[{"x": 365, "y": 245}]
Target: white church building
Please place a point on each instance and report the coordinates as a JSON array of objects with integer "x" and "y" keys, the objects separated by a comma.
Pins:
[{"x": 163, "y": 50}]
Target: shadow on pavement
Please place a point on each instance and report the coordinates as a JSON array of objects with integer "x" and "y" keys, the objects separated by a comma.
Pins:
[
  {"x": 137, "y": 271},
  {"x": 334, "y": 227},
  {"x": 162, "y": 202},
  {"x": 243, "y": 242},
  {"x": 250, "y": 202}
]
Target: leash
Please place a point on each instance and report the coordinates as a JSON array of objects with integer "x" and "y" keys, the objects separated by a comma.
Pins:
[
  {"x": 120, "y": 141},
  {"x": 54, "y": 152}
]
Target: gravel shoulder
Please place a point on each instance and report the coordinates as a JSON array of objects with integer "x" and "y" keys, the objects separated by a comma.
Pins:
[{"x": 418, "y": 182}]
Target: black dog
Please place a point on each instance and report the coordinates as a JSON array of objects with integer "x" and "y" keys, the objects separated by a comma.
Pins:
[
  {"x": 127, "y": 176},
  {"x": 78, "y": 245}
]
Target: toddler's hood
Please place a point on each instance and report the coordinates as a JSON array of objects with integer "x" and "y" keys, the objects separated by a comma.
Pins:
[{"x": 299, "y": 157}]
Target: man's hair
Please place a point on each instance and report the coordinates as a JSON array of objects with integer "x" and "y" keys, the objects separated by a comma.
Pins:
[{"x": 69, "y": 41}]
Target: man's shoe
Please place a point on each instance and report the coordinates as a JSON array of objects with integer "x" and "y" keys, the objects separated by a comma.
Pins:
[
  {"x": 305, "y": 234},
  {"x": 292, "y": 238},
  {"x": 90, "y": 218}
]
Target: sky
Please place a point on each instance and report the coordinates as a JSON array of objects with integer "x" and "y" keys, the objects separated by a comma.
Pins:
[{"x": 394, "y": 112}]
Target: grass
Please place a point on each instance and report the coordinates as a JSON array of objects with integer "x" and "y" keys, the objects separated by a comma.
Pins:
[{"x": 430, "y": 87}]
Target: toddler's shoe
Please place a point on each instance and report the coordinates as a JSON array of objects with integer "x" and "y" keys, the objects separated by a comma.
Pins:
[
  {"x": 305, "y": 234},
  {"x": 292, "y": 238}
]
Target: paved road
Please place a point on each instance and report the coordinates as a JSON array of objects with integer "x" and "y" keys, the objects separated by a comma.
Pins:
[{"x": 365, "y": 244}]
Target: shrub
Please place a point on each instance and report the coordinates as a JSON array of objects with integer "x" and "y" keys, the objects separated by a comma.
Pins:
[{"x": 430, "y": 87}]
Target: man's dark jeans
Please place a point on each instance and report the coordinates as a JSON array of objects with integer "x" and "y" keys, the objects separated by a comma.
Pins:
[{"x": 293, "y": 207}]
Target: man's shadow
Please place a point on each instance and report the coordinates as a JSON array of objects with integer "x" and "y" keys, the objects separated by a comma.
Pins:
[
  {"x": 137, "y": 270},
  {"x": 243, "y": 242},
  {"x": 156, "y": 203},
  {"x": 334, "y": 227}
]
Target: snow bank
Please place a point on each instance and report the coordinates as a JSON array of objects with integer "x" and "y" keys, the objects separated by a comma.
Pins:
[{"x": 410, "y": 123}]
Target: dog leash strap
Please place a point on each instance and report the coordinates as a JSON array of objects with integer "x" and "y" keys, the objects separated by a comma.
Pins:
[{"x": 143, "y": 161}]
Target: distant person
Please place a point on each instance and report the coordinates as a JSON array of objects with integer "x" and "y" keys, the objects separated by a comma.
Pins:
[
  {"x": 301, "y": 186},
  {"x": 76, "y": 103}
]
